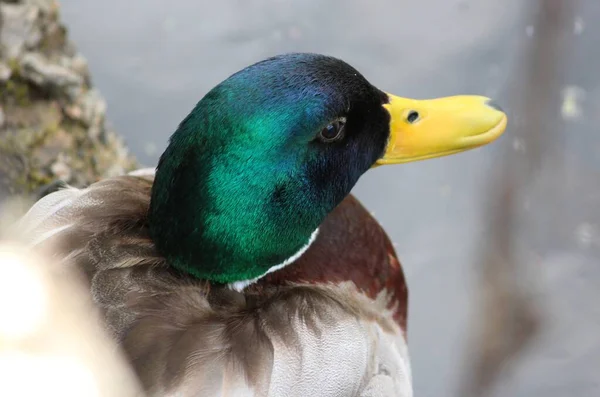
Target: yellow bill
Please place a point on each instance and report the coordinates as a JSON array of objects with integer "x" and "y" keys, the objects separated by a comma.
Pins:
[{"x": 424, "y": 129}]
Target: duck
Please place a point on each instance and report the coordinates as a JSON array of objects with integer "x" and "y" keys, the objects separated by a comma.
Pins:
[{"x": 242, "y": 265}]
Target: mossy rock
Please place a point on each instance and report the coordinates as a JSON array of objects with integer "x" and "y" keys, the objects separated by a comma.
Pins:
[{"x": 50, "y": 130}]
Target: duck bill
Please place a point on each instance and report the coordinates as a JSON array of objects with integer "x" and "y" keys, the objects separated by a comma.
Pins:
[{"x": 424, "y": 129}]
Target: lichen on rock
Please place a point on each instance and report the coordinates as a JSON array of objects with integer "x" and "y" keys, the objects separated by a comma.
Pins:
[{"x": 52, "y": 120}]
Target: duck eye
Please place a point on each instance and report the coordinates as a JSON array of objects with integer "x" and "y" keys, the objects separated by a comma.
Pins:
[
  {"x": 412, "y": 117},
  {"x": 333, "y": 132}
]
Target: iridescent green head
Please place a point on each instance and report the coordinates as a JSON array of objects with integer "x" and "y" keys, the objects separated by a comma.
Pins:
[{"x": 261, "y": 160}]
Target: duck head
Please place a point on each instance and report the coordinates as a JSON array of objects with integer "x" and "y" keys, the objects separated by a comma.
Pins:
[{"x": 253, "y": 170}]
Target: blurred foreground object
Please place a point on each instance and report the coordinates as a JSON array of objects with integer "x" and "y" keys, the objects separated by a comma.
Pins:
[
  {"x": 52, "y": 119},
  {"x": 51, "y": 340},
  {"x": 509, "y": 318}
]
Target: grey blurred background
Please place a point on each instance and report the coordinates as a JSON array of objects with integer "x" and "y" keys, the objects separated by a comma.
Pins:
[{"x": 154, "y": 59}]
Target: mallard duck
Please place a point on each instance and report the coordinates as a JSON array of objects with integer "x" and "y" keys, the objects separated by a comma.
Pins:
[{"x": 241, "y": 265}]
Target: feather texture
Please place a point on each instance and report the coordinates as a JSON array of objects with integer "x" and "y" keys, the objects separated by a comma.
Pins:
[{"x": 330, "y": 336}]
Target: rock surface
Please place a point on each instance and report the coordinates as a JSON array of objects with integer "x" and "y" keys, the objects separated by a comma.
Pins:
[{"x": 52, "y": 120}]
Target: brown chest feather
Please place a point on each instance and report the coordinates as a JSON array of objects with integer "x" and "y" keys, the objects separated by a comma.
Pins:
[{"x": 351, "y": 246}]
